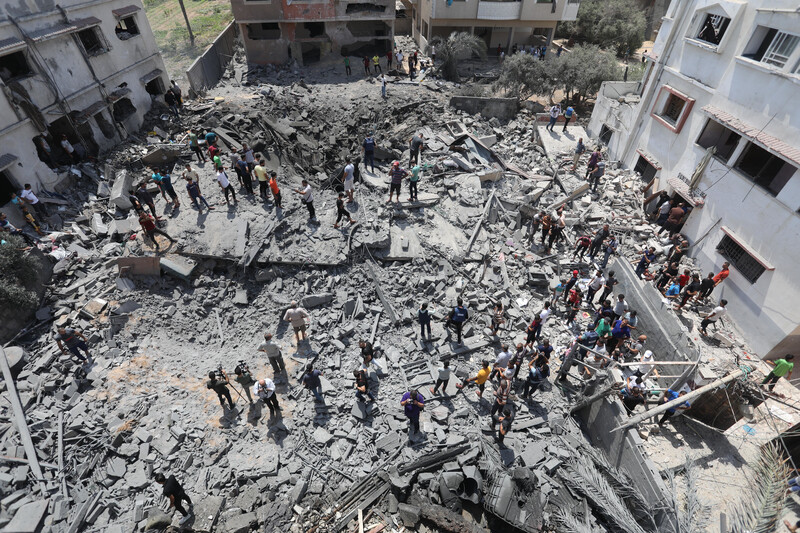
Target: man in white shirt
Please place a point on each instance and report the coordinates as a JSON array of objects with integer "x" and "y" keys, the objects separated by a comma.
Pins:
[
  {"x": 274, "y": 355},
  {"x": 349, "y": 179},
  {"x": 249, "y": 158},
  {"x": 501, "y": 363},
  {"x": 69, "y": 149},
  {"x": 225, "y": 185},
  {"x": 715, "y": 315},
  {"x": 297, "y": 316},
  {"x": 29, "y": 197},
  {"x": 307, "y": 197},
  {"x": 442, "y": 379},
  {"x": 595, "y": 285},
  {"x": 644, "y": 369},
  {"x": 555, "y": 111},
  {"x": 264, "y": 390},
  {"x": 545, "y": 313}
]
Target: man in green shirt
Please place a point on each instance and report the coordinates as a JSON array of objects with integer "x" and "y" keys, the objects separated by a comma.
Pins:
[
  {"x": 412, "y": 184},
  {"x": 783, "y": 367},
  {"x": 347, "y": 65},
  {"x": 603, "y": 329},
  {"x": 195, "y": 146}
]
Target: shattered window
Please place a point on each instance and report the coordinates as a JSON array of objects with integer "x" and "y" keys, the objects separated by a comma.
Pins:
[
  {"x": 720, "y": 137},
  {"x": 764, "y": 169},
  {"x": 673, "y": 108},
  {"x": 13, "y": 66},
  {"x": 126, "y": 28},
  {"x": 91, "y": 41},
  {"x": 713, "y": 29}
]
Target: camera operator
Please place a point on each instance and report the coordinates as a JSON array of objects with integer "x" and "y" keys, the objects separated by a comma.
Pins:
[
  {"x": 245, "y": 379},
  {"x": 218, "y": 381},
  {"x": 264, "y": 390}
]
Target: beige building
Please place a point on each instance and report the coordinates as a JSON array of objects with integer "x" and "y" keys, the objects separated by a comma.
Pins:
[
  {"x": 85, "y": 69},
  {"x": 497, "y": 23},
  {"x": 273, "y": 31}
]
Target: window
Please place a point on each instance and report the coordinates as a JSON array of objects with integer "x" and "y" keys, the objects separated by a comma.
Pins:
[
  {"x": 14, "y": 65},
  {"x": 720, "y": 137},
  {"x": 605, "y": 134},
  {"x": 263, "y": 31},
  {"x": 645, "y": 169},
  {"x": 673, "y": 108},
  {"x": 765, "y": 169},
  {"x": 364, "y": 8},
  {"x": 745, "y": 263},
  {"x": 771, "y": 46},
  {"x": 126, "y": 28},
  {"x": 713, "y": 29},
  {"x": 91, "y": 41},
  {"x": 123, "y": 108}
]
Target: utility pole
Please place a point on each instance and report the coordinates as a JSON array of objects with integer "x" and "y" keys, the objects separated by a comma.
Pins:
[{"x": 186, "y": 18}]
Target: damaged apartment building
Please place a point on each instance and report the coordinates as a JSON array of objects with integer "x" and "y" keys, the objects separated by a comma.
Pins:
[
  {"x": 306, "y": 30},
  {"x": 87, "y": 70},
  {"x": 714, "y": 124}
]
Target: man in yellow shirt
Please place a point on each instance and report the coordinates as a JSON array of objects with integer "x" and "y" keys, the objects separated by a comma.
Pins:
[
  {"x": 376, "y": 62},
  {"x": 480, "y": 379},
  {"x": 261, "y": 175}
]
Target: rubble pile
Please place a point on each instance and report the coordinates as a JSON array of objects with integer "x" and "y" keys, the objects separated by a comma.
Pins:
[{"x": 143, "y": 406}]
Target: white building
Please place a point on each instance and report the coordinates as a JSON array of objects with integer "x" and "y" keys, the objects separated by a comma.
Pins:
[
  {"x": 86, "y": 69},
  {"x": 724, "y": 77}
]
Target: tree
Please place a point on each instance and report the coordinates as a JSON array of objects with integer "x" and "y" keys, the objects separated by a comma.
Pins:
[
  {"x": 523, "y": 75},
  {"x": 17, "y": 269},
  {"x": 611, "y": 24},
  {"x": 454, "y": 49}
]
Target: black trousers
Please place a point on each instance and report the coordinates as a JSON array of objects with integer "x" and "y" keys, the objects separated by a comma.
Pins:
[
  {"x": 594, "y": 248},
  {"x": 222, "y": 396},
  {"x": 412, "y": 190},
  {"x": 664, "y": 418},
  {"x": 201, "y": 158},
  {"x": 310, "y": 206},
  {"x": 277, "y": 364},
  {"x": 530, "y": 387},
  {"x": 422, "y": 327},
  {"x": 772, "y": 379},
  {"x": 342, "y": 213},
  {"x": 347, "y": 69},
  {"x": 458, "y": 326},
  {"x": 277, "y": 198},
  {"x": 272, "y": 403},
  {"x": 177, "y": 502},
  {"x": 262, "y": 189},
  {"x": 414, "y": 422},
  {"x": 439, "y": 383},
  {"x": 229, "y": 190},
  {"x": 248, "y": 182},
  {"x": 496, "y": 407},
  {"x": 152, "y": 235}
]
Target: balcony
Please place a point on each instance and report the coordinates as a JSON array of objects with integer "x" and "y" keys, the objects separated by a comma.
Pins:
[
  {"x": 488, "y": 10},
  {"x": 543, "y": 11}
]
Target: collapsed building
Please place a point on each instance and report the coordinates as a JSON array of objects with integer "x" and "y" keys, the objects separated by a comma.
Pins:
[
  {"x": 85, "y": 70},
  {"x": 79, "y": 449}
]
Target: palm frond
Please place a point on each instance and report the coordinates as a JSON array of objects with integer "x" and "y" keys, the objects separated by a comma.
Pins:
[
  {"x": 694, "y": 518},
  {"x": 584, "y": 478},
  {"x": 760, "y": 509},
  {"x": 568, "y": 523},
  {"x": 456, "y": 47}
]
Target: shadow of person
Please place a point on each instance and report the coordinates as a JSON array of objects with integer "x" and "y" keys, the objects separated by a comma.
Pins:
[{"x": 254, "y": 413}]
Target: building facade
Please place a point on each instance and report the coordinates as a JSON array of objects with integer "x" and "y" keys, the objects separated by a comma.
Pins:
[
  {"x": 498, "y": 23},
  {"x": 274, "y": 31},
  {"x": 85, "y": 69},
  {"x": 714, "y": 122}
]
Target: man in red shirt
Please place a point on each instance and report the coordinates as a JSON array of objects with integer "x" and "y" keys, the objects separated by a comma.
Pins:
[
  {"x": 722, "y": 273},
  {"x": 150, "y": 229},
  {"x": 684, "y": 279}
]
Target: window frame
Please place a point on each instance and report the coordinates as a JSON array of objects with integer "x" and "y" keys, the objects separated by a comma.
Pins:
[
  {"x": 740, "y": 258},
  {"x": 696, "y": 31},
  {"x": 755, "y": 179},
  {"x": 751, "y": 55},
  {"x": 122, "y": 20},
  {"x": 98, "y": 33},
  {"x": 24, "y": 54},
  {"x": 717, "y": 155},
  {"x": 660, "y": 104}
]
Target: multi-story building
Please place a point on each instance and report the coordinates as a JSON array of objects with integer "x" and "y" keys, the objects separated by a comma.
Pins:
[
  {"x": 503, "y": 23},
  {"x": 273, "y": 31},
  {"x": 715, "y": 123},
  {"x": 84, "y": 69}
]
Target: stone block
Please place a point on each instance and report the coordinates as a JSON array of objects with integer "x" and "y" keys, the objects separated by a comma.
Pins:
[
  {"x": 241, "y": 523},
  {"x": 123, "y": 182},
  {"x": 315, "y": 300},
  {"x": 409, "y": 514},
  {"x": 28, "y": 518}
]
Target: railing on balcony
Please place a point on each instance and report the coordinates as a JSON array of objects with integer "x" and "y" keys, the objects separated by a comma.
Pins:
[{"x": 488, "y": 10}]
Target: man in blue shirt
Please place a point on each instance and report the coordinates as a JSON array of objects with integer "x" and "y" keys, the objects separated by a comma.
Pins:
[
  {"x": 312, "y": 382},
  {"x": 668, "y": 397},
  {"x": 568, "y": 114},
  {"x": 457, "y": 317},
  {"x": 648, "y": 256},
  {"x": 164, "y": 182},
  {"x": 619, "y": 333},
  {"x": 369, "y": 152},
  {"x": 413, "y": 403}
]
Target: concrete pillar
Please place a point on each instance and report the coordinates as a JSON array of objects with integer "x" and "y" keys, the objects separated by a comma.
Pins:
[
  {"x": 510, "y": 40},
  {"x": 430, "y": 31}
]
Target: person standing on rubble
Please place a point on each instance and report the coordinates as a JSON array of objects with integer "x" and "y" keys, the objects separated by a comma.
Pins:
[
  {"x": 383, "y": 95},
  {"x": 176, "y": 90},
  {"x": 172, "y": 103},
  {"x": 648, "y": 256},
  {"x": 389, "y": 55},
  {"x": 376, "y": 64},
  {"x": 261, "y": 175},
  {"x": 501, "y": 394},
  {"x": 568, "y": 114},
  {"x": 312, "y": 382},
  {"x": 145, "y": 198},
  {"x": 582, "y": 244},
  {"x": 458, "y": 316},
  {"x": 397, "y": 174},
  {"x": 504, "y": 421},
  {"x": 498, "y": 318},
  {"x": 417, "y": 145},
  {"x": 413, "y": 403},
  {"x": 555, "y": 112},
  {"x": 557, "y": 231},
  {"x": 307, "y": 197},
  {"x": 349, "y": 179},
  {"x": 580, "y": 149},
  {"x": 362, "y": 386},
  {"x": 276, "y": 192},
  {"x": 668, "y": 397},
  {"x": 274, "y": 355},
  {"x": 225, "y": 184},
  {"x": 597, "y": 172},
  {"x": 502, "y": 362},
  {"x": 164, "y": 182},
  {"x": 193, "y": 188},
  {"x": 264, "y": 390},
  {"x": 595, "y": 285},
  {"x": 413, "y": 181},
  {"x": 245, "y": 177},
  {"x": 593, "y": 160},
  {"x": 479, "y": 379},
  {"x": 72, "y": 340},
  {"x": 28, "y": 197},
  {"x": 424, "y": 321},
  {"x": 538, "y": 372},
  {"x": 297, "y": 316},
  {"x": 176, "y": 494},
  {"x": 366, "y": 66},
  {"x": 597, "y": 241},
  {"x": 571, "y": 283},
  {"x": 611, "y": 249},
  {"x": 218, "y": 382},
  {"x": 150, "y": 230},
  {"x": 782, "y": 368},
  {"x": 194, "y": 145},
  {"x": 442, "y": 378},
  {"x": 341, "y": 211},
  {"x": 368, "y": 146},
  {"x": 347, "y": 69}
]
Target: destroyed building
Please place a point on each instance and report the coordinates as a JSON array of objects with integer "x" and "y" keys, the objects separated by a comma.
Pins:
[
  {"x": 498, "y": 23},
  {"x": 85, "y": 70},
  {"x": 712, "y": 124},
  {"x": 306, "y": 31}
]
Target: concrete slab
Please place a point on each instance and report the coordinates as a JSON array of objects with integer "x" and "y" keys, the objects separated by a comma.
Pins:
[
  {"x": 557, "y": 142},
  {"x": 404, "y": 242},
  {"x": 28, "y": 518},
  {"x": 178, "y": 267},
  {"x": 139, "y": 266},
  {"x": 206, "y": 512}
]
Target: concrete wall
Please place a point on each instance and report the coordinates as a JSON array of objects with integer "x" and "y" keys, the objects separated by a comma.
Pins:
[
  {"x": 614, "y": 110},
  {"x": 756, "y": 94},
  {"x": 500, "y": 108},
  {"x": 207, "y": 70}
]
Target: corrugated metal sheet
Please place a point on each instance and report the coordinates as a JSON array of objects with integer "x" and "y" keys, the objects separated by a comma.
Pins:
[
  {"x": 6, "y": 160},
  {"x": 63, "y": 28},
  {"x": 769, "y": 142},
  {"x": 123, "y": 11},
  {"x": 11, "y": 44}
]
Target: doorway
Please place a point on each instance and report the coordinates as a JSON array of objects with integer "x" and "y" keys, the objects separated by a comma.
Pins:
[{"x": 7, "y": 186}]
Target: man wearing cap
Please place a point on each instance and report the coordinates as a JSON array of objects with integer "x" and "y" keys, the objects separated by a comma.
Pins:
[
  {"x": 297, "y": 316},
  {"x": 397, "y": 174},
  {"x": 571, "y": 283}
]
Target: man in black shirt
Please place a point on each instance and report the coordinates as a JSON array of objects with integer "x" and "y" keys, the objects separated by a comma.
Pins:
[
  {"x": 174, "y": 491},
  {"x": 220, "y": 386},
  {"x": 690, "y": 291},
  {"x": 597, "y": 242},
  {"x": 706, "y": 287},
  {"x": 504, "y": 420},
  {"x": 362, "y": 386}
]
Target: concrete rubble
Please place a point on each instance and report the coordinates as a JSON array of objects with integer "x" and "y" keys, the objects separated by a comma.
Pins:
[{"x": 157, "y": 324}]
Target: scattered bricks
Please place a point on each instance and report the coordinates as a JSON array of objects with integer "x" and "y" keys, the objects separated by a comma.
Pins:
[{"x": 178, "y": 432}]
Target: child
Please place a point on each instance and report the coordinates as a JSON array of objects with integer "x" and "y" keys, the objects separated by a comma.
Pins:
[
  {"x": 341, "y": 211},
  {"x": 582, "y": 246},
  {"x": 30, "y": 220}
]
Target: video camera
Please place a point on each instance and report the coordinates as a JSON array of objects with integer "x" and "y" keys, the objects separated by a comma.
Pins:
[
  {"x": 219, "y": 372},
  {"x": 241, "y": 367}
]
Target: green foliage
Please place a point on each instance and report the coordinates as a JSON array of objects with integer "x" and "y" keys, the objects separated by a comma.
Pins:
[
  {"x": 762, "y": 503},
  {"x": 611, "y": 24},
  {"x": 17, "y": 268},
  {"x": 454, "y": 49},
  {"x": 579, "y": 72}
]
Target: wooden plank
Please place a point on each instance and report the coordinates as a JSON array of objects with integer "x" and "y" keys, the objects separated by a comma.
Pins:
[
  {"x": 573, "y": 195},
  {"x": 479, "y": 224},
  {"x": 19, "y": 420}
]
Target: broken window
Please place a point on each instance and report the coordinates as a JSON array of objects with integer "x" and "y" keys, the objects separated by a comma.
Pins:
[
  {"x": 264, "y": 31},
  {"x": 364, "y": 8},
  {"x": 720, "y": 137},
  {"x": 763, "y": 168},
  {"x": 713, "y": 29},
  {"x": 123, "y": 108},
  {"x": 126, "y": 28},
  {"x": 605, "y": 134},
  {"x": 310, "y": 29},
  {"x": 771, "y": 46},
  {"x": 91, "y": 41},
  {"x": 745, "y": 263},
  {"x": 155, "y": 87},
  {"x": 14, "y": 65},
  {"x": 673, "y": 108},
  {"x": 645, "y": 169},
  {"x": 7, "y": 186}
]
